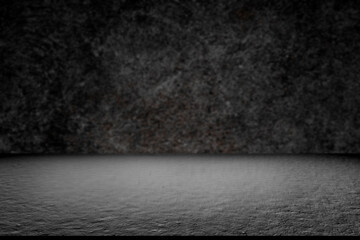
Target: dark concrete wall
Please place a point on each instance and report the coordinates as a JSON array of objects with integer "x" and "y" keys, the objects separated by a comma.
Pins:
[{"x": 180, "y": 76}]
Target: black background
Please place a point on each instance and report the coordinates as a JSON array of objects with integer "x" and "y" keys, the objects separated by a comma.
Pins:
[{"x": 179, "y": 76}]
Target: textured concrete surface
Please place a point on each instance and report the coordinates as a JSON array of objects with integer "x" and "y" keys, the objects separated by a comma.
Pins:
[
  {"x": 180, "y": 76},
  {"x": 183, "y": 196}
]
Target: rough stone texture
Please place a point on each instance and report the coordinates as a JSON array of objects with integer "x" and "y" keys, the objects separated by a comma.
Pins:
[{"x": 172, "y": 76}]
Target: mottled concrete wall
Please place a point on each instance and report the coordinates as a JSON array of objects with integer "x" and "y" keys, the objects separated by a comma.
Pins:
[{"x": 180, "y": 77}]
